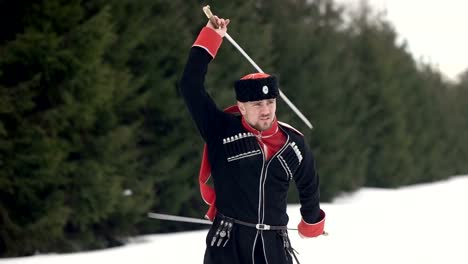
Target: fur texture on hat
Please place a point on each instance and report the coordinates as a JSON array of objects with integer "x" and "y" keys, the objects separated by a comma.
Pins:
[{"x": 256, "y": 87}]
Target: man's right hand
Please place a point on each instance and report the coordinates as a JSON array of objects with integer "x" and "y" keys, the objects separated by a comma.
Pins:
[{"x": 221, "y": 25}]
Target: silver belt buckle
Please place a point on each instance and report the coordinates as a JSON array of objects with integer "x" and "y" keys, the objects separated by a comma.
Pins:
[{"x": 262, "y": 227}]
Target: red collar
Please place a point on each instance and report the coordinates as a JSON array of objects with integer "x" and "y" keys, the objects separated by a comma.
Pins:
[{"x": 260, "y": 134}]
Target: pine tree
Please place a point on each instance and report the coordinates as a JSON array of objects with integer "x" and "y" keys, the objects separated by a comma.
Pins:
[
  {"x": 457, "y": 111},
  {"x": 316, "y": 72},
  {"x": 68, "y": 144}
]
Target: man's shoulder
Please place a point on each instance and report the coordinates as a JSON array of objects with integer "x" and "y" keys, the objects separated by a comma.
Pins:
[{"x": 290, "y": 128}]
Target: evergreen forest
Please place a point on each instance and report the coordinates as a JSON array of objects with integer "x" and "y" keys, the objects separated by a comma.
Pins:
[{"x": 94, "y": 133}]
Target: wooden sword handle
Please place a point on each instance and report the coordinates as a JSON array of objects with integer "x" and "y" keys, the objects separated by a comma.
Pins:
[{"x": 209, "y": 15}]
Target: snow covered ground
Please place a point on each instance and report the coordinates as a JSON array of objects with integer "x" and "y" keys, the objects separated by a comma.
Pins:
[{"x": 418, "y": 224}]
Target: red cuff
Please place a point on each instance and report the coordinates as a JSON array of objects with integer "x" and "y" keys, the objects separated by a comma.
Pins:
[
  {"x": 209, "y": 40},
  {"x": 312, "y": 230}
]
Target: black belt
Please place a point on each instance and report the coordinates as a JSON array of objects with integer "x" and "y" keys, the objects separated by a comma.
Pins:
[
  {"x": 225, "y": 226},
  {"x": 260, "y": 226},
  {"x": 256, "y": 226}
]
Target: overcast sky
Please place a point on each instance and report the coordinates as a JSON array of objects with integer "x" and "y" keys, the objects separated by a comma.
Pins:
[{"x": 436, "y": 30}]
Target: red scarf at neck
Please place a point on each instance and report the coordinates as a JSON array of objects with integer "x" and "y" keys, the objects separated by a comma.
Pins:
[{"x": 271, "y": 141}]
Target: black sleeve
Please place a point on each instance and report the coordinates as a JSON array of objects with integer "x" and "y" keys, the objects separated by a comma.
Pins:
[
  {"x": 208, "y": 118},
  {"x": 307, "y": 182}
]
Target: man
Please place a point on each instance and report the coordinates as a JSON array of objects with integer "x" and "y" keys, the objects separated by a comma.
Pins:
[{"x": 252, "y": 158}]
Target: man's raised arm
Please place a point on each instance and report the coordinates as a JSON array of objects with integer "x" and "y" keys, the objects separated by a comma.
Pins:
[{"x": 200, "y": 105}]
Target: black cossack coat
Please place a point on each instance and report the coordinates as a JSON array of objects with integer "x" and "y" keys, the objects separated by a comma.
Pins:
[{"x": 248, "y": 187}]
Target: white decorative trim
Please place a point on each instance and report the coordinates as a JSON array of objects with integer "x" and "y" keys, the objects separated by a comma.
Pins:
[
  {"x": 253, "y": 247},
  {"x": 205, "y": 48},
  {"x": 268, "y": 136},
  {"x": 291, "y": 127},
  {"x": 297, "y": 151},
  {"x": 260, "y": 186},
  {"x": 266, "y": 175},
  {"x": 285, "y": 166},
  {"x": 263, "y": 245},
  {"x": 237, "y": 137},
  {"x": 244, "y": 155}
]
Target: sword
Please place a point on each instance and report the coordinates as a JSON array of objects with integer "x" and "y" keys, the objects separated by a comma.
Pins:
[
  {"x": 208, "y": 14},
  {"x": 179, "y": 218},
  {"x": 192, "y": 220}
]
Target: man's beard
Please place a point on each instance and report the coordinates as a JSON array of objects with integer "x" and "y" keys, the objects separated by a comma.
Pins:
[{"x": 263, "y": 125}]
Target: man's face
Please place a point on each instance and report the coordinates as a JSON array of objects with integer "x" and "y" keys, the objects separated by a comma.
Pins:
[{"x": 259, "y": 114}]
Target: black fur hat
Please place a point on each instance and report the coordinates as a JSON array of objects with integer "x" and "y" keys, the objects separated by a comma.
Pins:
[{"x": 256, "y": 87}]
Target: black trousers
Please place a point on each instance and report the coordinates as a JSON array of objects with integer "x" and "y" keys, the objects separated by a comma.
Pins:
[
  {"x": 246, "y": 245},
  {"x": 259, "y": 255}
]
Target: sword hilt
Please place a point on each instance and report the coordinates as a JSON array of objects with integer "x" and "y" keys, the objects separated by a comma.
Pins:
[{"x": 210, "y": 16}]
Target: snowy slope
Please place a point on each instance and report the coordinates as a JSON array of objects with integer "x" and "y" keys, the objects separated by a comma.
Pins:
[{"x": 418, "y": 224}]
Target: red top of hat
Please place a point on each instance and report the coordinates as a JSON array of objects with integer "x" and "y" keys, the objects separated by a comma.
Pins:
[{"x": 257, "y": 75}]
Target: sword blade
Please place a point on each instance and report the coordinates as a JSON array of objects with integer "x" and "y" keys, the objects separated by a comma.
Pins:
[{"x": 179, "y": 218}]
